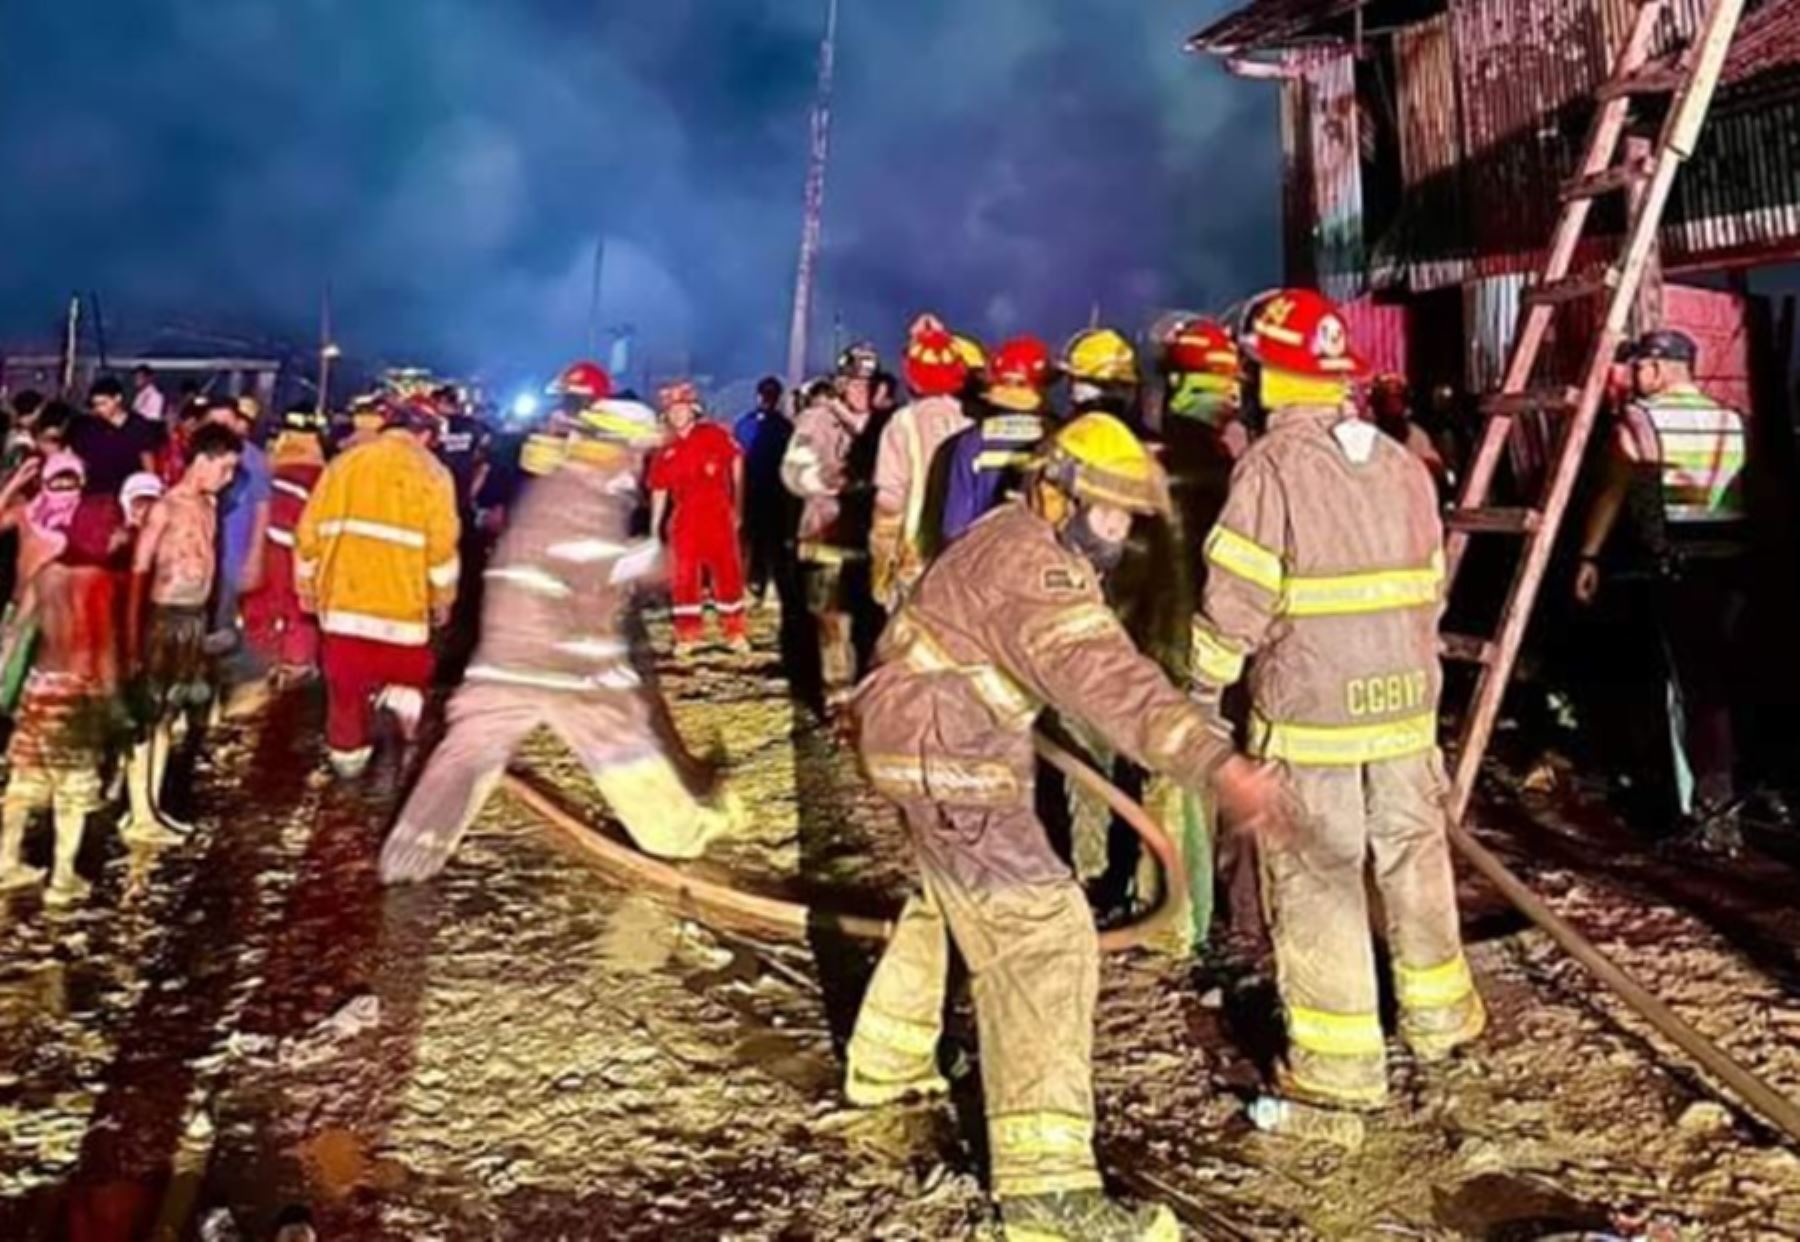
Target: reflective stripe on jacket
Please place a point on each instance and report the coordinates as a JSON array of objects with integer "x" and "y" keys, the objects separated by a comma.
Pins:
[
  {"x": 1327, "y": 567},
  {"x": 1700, "y": 449},
  {"x": 1004, "y": 623},
  {"x": 375, "y": 549}
]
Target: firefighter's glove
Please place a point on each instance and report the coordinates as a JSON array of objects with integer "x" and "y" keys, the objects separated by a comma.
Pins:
[{"x": 1256, "y": 799}]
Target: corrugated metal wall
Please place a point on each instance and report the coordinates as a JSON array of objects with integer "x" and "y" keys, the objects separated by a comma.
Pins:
[
  {"x": 1336, "y": 158},
  {"x": 1527, "y": 70},
  {"x": 1495, "y": 98},
  {"x": 1741, "y": 191},
  {"x": 1379, "y": 331}
]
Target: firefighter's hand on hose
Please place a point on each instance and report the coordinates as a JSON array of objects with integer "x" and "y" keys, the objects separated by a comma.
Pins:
[{"x": 1255, "y": 799}]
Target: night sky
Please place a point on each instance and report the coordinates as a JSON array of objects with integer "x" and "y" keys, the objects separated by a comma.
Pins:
[{"x": 448, "y": 163}]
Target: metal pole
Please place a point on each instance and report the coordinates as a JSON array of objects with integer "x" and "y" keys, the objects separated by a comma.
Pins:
[
  {"x": 71, "y": 337},
  {"x": 99, "y": 328},
  {"x": 593, "y": 333},
  {"x": 812, "y": 226},
  {"x": 327, "y": 351}
]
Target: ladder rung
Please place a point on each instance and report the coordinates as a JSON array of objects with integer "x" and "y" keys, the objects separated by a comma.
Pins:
[
  {"x": 1494, "y": 521},
  {"x": 1512, "y": 404},
  {"x": 1657, "y": 80},
  {"x": 1465, "y": 649},
  {"x": 1573, "y": 288},
  {"x": 1623, "y": 177}
]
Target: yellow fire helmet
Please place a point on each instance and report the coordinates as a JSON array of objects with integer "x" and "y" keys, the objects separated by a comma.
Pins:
[
  {"x": 1096, "y": 458},
  {"x": 1100, "y": 356},
  {"x": 970, "y": 351}
]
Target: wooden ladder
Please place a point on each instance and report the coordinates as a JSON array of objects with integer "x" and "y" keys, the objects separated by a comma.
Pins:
[{"x": 1603, "y": 171}]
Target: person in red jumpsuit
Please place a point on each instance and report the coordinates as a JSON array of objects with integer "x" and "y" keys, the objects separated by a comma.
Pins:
[{"x": 695, "y": 481}]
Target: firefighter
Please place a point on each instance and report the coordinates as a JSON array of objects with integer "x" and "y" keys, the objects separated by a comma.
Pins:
[
  {"x": 825, "y": 468},
  {"x": 985, "y": 462},
  {"x": 554, "y": 652},
  {"x": 1202, "y": 437},
  {"x": 696, "y": 482},
  {"x": 1102, "y": 370},
  {"x": 1327, "y": 567},
  {"x": 936, "y": 373},
  {"x": 1006, "y": 622},
  {"x": 274, "y": 625},
  {"x": 375, "y": 562},
  {"x": 1676, "y": 471}
]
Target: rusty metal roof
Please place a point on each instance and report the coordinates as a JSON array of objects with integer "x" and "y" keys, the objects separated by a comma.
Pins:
[
  {"x": 1268, "y": 24},
  {"x": 1767, "y": 42}
]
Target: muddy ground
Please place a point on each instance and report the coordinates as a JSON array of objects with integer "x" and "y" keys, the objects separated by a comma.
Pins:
[{"x": 246, "y": 1023}]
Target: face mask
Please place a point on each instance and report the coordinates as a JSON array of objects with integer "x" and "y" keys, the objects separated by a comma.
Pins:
[{"x": 1078, "y": 537}]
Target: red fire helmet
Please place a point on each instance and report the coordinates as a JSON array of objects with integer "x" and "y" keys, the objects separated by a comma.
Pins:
[
  {"x": 934, "y": 366},
  {"x": 1302, "y": 332},
  {"x": 583, "y": 379},
  {"x": 1200, "y": 346},
  {"x": 1019, "y": 373}
]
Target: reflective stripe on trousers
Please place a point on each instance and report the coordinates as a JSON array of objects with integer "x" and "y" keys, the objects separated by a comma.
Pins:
[
  {"x": 1388, "y": 817},
  {"x": 1034, "y": 969}
]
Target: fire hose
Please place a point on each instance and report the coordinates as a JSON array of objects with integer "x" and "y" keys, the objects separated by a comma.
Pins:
[
  {"x": 708, "y": 899},
  {"x": 1749, "y": 1088},
  {"x": 698, "y": 896}
]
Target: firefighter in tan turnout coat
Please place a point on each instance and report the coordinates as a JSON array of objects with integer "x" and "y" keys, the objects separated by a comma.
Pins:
[
  {"x": 1325, "y": 572},
  {"x": 1008, "y": 621}
]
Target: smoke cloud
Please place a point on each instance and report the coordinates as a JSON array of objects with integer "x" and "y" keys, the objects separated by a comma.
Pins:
[{"x": 448, "y": 165}]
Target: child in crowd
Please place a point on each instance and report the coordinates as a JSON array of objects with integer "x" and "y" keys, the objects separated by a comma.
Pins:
[
  {"x": 69, "y": 708},
  {"x": 173, "y": 571}
]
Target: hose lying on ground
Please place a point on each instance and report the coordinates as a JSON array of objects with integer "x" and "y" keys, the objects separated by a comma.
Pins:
[
  {"x": 695, "y": 895},
  {"x": 1751, "y": 1089},
  {"x": 707, "y": 899}
]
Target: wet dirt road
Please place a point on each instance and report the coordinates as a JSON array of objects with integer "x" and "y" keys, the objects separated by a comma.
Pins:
[{"x": 522, "y": 1050}]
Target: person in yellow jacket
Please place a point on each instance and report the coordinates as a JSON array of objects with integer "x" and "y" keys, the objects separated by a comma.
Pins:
[
  {"x": 376, "y": 563},
  {"x": 1325, "y": 573}
]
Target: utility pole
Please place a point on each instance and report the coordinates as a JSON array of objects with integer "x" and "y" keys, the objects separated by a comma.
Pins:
[
  {"x": 328, "y": 350},
  {"x": 71, "y": 342},
  {"x": 813, "y": 225},
  {"x": 593, "y": 333}
]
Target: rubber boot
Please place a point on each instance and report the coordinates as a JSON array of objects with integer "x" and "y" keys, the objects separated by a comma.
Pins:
[
  {"x": 66, "y": 885},
  {"x": 14, "y": 874},
  {"x": 349, "y": 764},
  {"x": 146, "y": 824},
  {"x": 1085, "y": 1216}
]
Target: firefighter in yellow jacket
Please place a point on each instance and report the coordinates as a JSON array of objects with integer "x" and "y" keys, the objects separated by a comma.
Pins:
[
  {"x": 376, "y": 563},
  {"x": 1008, "y": 621},
  {"x": 1325, "y": 574}
]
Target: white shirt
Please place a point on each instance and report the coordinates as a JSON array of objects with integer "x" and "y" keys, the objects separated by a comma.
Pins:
[{"x": 149, "y": 403}]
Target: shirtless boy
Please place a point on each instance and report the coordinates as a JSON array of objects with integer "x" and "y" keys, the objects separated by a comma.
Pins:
[{"x": 173, "y": 571}]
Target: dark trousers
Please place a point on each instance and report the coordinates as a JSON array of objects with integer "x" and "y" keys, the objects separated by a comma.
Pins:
[{"x": 1699, "y": 615}]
